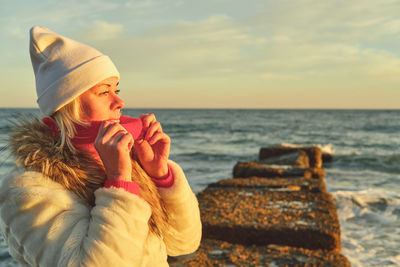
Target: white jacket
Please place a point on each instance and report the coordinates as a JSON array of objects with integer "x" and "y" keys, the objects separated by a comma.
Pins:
[{"x": 46, "y": 225}]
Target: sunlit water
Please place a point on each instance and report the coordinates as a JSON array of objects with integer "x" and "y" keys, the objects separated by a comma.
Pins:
[{"x": 364, "y": 177}]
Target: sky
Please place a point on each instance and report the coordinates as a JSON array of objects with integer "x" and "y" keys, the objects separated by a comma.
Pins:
[{"x": 295, "y": 54}]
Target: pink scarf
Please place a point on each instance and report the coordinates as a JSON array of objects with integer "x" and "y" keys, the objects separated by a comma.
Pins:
[{"x": 86, "y": 135}]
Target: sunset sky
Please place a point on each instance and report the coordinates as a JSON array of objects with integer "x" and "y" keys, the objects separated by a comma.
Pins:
[{"x": 221, "y": 54}]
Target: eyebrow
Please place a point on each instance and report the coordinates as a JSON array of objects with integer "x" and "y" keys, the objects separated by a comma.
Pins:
[{"x": 107, "y": 84}]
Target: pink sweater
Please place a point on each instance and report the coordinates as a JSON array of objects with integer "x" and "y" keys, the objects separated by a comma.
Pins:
[{"x": 133, "y": 187}]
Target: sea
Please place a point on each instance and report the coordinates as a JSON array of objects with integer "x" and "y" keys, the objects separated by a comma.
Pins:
[{"x": 363, "y": 178}]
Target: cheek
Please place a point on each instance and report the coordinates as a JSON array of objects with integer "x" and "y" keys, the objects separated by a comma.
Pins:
[
  {"x": 89, "y": 110},
  {"x": 96, "y": 110}
]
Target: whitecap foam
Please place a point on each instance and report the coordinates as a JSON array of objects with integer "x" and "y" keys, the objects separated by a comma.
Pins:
[
  {"x": 326, "y": 149},
  {"x": 369, "y": 222},
  {"x": 349, "y": 152}
]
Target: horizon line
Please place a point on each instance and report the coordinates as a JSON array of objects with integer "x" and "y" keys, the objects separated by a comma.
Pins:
[{"x": 230, "y": 108}]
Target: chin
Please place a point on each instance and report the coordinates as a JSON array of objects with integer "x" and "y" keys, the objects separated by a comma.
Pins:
[{"x": 115, "y": 117}]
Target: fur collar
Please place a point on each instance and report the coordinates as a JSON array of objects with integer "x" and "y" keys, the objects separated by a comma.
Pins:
[{"x": 35, "y": 148}]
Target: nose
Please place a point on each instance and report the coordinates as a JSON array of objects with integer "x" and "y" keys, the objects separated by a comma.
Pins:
[{"x": 118, "y": 103}]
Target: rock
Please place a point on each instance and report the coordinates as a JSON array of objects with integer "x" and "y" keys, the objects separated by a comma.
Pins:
[
  {"x": 314, "y": 173},
  {"x": 298, "y": 159},
  {"x": 255, "y": 216},
  {"x": 221, "y": 253},
  {"x": 252, "y": 168},
  {"x": 276, "y": 184},
  {"x": 327, "y": 157},
  {"x": 314, "y": 153}
]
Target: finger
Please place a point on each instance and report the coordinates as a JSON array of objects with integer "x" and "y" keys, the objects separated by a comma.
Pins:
[
  {"x": 147, "y": 119},
  {"x": 159, "y": 137},
  {"x": 144, "y": 151},
  {"x": 100, "y": 134},
  {"x": 114, "y": 120},
  {"x": 155, "y": 126},
  {"x": 102, "y": 128},
  {"x": 125, "y": 141},
  {"x": 112, "y": 130},
  {"x": 130, "y": 144},
  {"x": 122, "y": 141},
  {"x": 145, "y": 115}
]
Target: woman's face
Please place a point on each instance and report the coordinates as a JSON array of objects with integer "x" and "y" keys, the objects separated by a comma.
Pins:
[{"x": 101, "y": 102}]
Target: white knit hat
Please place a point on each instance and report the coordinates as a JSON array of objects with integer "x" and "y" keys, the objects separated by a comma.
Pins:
[{"x": 64, "y": 68}]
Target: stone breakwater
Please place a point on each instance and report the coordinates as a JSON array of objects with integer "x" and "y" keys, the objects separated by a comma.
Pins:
[{"x": 273, "y": 212}]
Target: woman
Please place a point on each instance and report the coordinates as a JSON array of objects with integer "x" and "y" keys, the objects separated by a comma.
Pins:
[{"x": 93, "y": 188}]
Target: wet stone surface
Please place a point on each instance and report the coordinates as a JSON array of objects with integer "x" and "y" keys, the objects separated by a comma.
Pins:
[
  {"x": 275, "y": 184},
  {"x": 253, "y": 168},
  {"x": 256, "y": 216},
  {"x": 221, "y": 253},
  {"x": 275, "y": 212},
  {"x": 297, "y": 158},
  {"x": 314, "y": 154}
]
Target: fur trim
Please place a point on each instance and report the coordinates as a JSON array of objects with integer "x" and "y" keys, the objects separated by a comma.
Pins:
[{"x": 35, "y": 147}]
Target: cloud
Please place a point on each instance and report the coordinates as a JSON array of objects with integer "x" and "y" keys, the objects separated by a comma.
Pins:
[
  {"x": 17, "y": 33},
  {"x": 62, "y": 16},
  {"x": 310, "y": 47},
  {"x": 140, "y": 6},
  {"x": 100, "y": 31},
  {"x": 307, "y": 42},
  {"x": 302, "y": 45},
  {"x": 334, "y": 21},
  {"x": 392, "y": 26},
  {"x": 183, "y": 49}
]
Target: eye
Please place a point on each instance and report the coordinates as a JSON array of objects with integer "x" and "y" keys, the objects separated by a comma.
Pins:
[
  {"x": 117, "y": 91},
  {"x": 105, "y": 92}
]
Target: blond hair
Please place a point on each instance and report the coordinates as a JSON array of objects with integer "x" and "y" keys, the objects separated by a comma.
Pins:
[{"x": 66, "y": 117}]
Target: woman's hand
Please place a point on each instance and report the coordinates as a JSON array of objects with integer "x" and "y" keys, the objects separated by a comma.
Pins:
[
  {"x": 153, "y": 149},
  {"x": 114, "y": 143}
]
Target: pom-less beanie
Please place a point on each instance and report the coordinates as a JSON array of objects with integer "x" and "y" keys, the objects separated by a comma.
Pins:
[{"x": 64, "y": 68}]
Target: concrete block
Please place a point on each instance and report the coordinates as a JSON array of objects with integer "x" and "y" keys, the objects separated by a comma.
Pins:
[
  {"x": 256, "y": 216},
  {"x": 253, "y": 168},
  {"x": 315, "y": 154},
  {"x": 220, "y": 253},
  {"x": 275, "y": 184},
  {"x": 298, "y": 159}
]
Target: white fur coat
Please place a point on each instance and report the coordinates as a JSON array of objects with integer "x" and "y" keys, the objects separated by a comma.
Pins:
[{"x": 47, "y": 225}]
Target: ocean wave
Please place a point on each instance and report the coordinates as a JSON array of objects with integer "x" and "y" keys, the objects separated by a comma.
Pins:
[
  {"x": 5, "y": 129},
  {"x": 371, "y": 218},
  {"x": 382, "y": 128},
  {"x": 327, "y": 148},
  {"x": 368, "y": 206},
  {"x": 359, "y": 161},
  {"x": 211, "y": 156}
]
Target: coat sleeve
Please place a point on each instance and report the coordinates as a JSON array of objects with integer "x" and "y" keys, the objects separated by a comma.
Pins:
[
  {"x": 184, "y": 234},
  {"x": 46, "y": 225}
]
